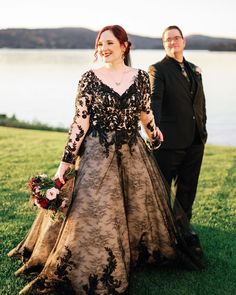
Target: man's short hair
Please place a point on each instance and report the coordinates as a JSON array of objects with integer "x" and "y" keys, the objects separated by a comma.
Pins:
[{"x": 172, "y": 28}]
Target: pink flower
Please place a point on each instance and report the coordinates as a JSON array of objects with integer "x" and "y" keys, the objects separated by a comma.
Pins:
[{"x": 52, "y": 193}]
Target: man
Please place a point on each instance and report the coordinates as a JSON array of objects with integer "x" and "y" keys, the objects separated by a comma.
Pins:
[{"x": 178, "y": 104}]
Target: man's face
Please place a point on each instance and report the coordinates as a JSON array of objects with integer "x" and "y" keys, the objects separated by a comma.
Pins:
[{"x": 173, "y": 43}]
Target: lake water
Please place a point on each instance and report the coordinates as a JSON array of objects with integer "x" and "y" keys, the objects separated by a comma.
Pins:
[{"x": 41, "y": 85}]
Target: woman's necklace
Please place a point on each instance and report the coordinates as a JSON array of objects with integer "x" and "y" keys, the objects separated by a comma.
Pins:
[{"x": 119, "y": 82}]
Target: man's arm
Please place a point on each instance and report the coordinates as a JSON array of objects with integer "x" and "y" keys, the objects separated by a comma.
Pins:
[
  {"x": 204, "y": 113},
  {"x": 157, "y": 90},
  {"x": 203, "y": 107}
]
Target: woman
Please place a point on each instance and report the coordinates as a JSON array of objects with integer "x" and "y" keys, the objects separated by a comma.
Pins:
[{"x": 119, "y": 216}]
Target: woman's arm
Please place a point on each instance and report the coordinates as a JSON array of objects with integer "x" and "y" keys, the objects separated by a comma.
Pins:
[
  {"x": 77, "y": 131},
  {"x": 146, "y": 117},
  {"x": 153, "y": 133}
]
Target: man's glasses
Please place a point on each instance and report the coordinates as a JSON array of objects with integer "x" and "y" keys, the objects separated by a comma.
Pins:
[{"x": 175, "y": 39}]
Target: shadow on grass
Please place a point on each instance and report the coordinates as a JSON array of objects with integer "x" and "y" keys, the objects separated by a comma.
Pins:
[{"x": 217, "y": 278}]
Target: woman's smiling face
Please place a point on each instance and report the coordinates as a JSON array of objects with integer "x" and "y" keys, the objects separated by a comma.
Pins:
[{"x": 109, "y": 48}]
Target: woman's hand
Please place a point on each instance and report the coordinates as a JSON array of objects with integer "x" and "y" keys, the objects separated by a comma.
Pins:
[{"x": 61, "y": 171}]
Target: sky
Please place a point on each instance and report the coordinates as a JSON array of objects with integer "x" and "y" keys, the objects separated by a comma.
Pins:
[{"x": 141, "y": 17}]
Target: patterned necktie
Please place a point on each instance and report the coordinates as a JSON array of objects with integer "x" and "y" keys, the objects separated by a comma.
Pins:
[{"x": 183, "y": 71}]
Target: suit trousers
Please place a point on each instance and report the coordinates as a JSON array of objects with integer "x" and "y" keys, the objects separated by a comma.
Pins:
[{"x": 181, "y": 168}]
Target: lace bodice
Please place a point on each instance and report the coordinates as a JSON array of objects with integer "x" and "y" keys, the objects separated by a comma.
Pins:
[{"x": 101, "y": 111}]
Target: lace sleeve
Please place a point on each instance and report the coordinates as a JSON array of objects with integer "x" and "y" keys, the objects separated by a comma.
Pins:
[
  {"x": 80, "y": 124},
  {"x": 146, "y": 117}
]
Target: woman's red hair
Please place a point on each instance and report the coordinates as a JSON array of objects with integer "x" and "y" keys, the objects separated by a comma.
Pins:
[{"x": 121, "y": 35}]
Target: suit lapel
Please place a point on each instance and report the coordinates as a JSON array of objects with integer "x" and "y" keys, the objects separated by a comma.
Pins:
[
  {"x": 196, "y": 81},
  {"x": 180, "y": 77}
]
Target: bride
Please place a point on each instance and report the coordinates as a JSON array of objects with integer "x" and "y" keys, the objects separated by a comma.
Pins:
[{"x": 120, "y": 214}]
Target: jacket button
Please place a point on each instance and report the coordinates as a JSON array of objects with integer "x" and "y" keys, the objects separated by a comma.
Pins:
[{"x": 193, "y": 117}]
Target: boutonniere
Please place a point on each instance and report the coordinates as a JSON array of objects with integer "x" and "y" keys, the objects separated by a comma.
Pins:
[{"x": 197, "y": 70}]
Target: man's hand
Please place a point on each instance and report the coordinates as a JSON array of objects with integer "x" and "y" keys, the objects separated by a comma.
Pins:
[{"x": 159, "y": 134}]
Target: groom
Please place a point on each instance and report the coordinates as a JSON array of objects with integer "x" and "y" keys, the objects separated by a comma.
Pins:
[{"x": 178, "y": 103}]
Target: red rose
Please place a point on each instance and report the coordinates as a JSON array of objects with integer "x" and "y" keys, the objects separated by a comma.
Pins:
[
  {"x": 58, "y": 183},
  {"x": 33, "y": 182},
  {"x": 43, "y": 203}
]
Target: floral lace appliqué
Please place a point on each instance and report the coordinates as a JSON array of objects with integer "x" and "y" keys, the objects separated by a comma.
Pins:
[{"x": 102, "y": 112}]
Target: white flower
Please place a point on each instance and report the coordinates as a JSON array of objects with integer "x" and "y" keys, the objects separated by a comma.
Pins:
[
  {"x": 37, "y": 189},
  {"x": 36, "y": 203},
  {"x": 64, "y": 203},
  {"x": 198, "y": 70},
  {"x": 52, "y": 193},
  {"x": 43, "y": 175}
]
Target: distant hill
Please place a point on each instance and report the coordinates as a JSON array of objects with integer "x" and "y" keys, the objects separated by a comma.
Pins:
[
  {"x": 82, "y": 38},
  {"x": 211, "y": 43}
]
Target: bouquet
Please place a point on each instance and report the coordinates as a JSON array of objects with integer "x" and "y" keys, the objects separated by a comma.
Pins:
[{"x": 46, "y": 192}]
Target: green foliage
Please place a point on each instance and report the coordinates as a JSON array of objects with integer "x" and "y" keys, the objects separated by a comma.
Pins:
[
  {"x": 35, "y": 125},
  {"x": 24, "y": 153}
]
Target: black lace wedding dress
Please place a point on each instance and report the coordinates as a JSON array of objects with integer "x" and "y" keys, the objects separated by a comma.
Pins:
[{"x": 120, "y": 213}]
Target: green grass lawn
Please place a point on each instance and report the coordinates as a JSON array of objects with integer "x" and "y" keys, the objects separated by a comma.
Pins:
[{"x": 24, "y": 153}]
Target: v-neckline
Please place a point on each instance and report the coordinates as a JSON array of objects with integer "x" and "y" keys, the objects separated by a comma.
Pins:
[{"x": 109, "y": 87}]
